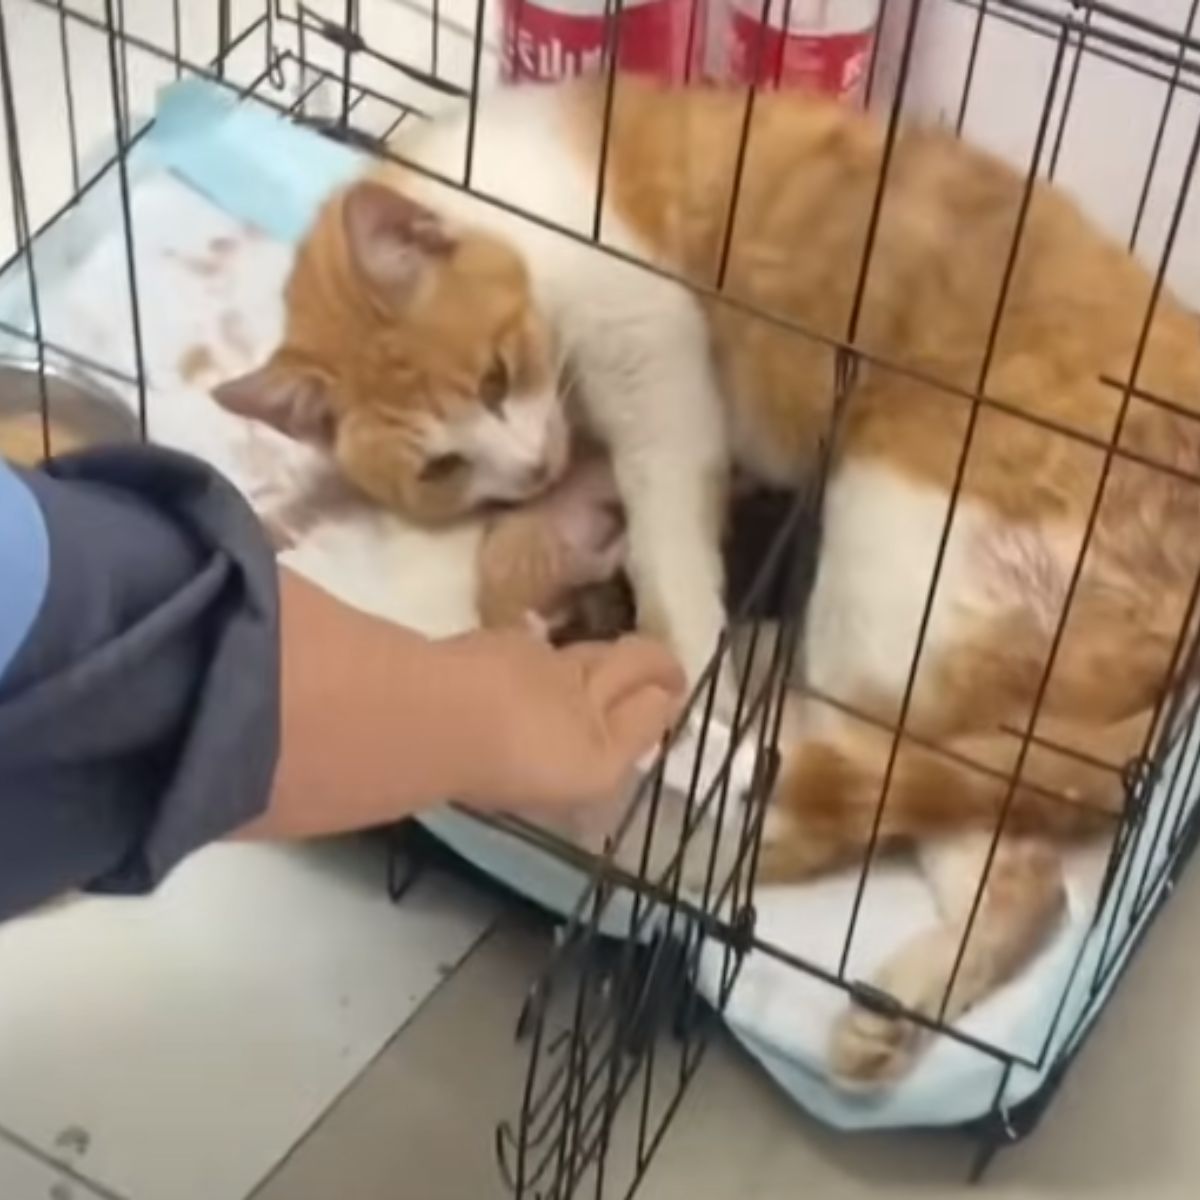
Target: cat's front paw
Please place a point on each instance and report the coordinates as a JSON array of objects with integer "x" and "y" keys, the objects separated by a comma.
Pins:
[
  {"x": 698, "y": 761},
  {"x": 870, "y": 1050}
]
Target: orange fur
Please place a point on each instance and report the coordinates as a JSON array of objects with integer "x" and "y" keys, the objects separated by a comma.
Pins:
[
  {"x": 366, "y": 360},
  {"x": 1073, "y": 315},
  {"x": 1075, "y": 307},
  {"x": 925, "y": 340},
  {"x": 522, "y": 570},
  {"x": 540, "y": 558},
  {"x": 934, "y": 975}
]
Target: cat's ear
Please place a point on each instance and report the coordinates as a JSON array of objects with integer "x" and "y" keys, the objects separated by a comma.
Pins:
[
  {"x": 392, "y": 239},
  {"x": 292, "y": 399}
]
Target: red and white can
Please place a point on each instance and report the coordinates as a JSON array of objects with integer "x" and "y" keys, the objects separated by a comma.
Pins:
[
  {"x": 823, "y": 45},
  {"x": 544, "y": 40}
]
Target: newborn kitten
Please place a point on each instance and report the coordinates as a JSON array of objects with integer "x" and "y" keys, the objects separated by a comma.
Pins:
[{"x": 558, "y": 559}]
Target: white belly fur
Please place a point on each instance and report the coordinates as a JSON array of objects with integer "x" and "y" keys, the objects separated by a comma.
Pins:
[{"x": 882, "y": 530}]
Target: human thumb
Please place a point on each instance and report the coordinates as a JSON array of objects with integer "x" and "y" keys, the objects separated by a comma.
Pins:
[{"x": 638, "y": 720}]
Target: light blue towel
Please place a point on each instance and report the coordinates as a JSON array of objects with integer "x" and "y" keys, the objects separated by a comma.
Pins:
[{"x": 246, "y": 159}]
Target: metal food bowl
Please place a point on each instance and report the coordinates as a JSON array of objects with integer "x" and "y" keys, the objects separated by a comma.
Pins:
[{"x": 81, "y": 411}]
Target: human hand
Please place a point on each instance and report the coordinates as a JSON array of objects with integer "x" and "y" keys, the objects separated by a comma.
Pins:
[{"x": 549, "y": 728}]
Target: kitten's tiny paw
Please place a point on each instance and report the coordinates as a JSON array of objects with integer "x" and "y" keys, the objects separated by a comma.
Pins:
[
  {"x": 696, "y": 761},
  {"x": 869, "y": 1050}
]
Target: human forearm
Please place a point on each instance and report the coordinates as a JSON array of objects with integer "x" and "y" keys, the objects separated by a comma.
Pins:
[
  {"x": 379, "y": 722},
  {"x": 369, "y": 728},
  {"x": 146, "y": 671}
]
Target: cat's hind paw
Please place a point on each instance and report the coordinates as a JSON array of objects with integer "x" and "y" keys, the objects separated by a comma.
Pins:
[{"x": 870, "y": 1050}]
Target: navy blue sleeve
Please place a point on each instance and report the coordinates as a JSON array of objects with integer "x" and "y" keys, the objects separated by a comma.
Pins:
[{"x": 139, "y": 706}]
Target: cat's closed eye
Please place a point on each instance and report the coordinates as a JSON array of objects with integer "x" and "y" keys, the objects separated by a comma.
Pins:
[
  {"x": 493, "y": 387},
  {"x": 442, "y": 466}
]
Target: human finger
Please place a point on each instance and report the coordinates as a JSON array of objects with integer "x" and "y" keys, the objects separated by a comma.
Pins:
[
  {"x": 630, "y": 664},
  {"x": 636, "y": 724}
]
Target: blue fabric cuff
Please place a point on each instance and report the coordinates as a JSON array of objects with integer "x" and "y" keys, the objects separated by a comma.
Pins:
[{"x": 24, "y": 563}]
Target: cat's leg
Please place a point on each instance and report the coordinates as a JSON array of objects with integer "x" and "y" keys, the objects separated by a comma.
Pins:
[
  {"x": 674, "y": 494},
  {"x": 827, "y": 800},
  {"x": 1019, "y": 907},
  {"x": 642, "y": 365},
  {"x": 673, "y": 484},
  {"x": 831, "y": 799},
  {"x": 651, "y": 394}
]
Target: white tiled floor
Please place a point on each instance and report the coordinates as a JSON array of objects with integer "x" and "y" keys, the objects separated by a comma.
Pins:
[
  {"x": 1123, "y": 1127},
  {"x": 176, "y": 1048},
  {"x": 24, "y": 1177}
]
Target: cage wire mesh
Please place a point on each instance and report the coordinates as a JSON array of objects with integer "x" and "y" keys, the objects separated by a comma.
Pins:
[{"x": 1102, "y": 98}]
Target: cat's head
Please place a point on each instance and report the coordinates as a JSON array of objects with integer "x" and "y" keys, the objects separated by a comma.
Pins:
[{"x": 415, "y": 352}]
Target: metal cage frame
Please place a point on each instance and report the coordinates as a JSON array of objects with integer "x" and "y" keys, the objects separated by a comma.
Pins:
[{"x": 615, "y": 1025}]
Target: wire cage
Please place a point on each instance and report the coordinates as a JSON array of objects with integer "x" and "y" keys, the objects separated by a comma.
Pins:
[{"x": 653, "y": 951}]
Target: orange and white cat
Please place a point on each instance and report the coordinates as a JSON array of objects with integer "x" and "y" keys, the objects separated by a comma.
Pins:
[{"x": 440, "y": 345}]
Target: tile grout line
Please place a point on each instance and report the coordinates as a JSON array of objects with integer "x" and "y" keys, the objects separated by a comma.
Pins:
[
  {"x": 24, "y": 1146},
  {"x": 485, "y": 935}
]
